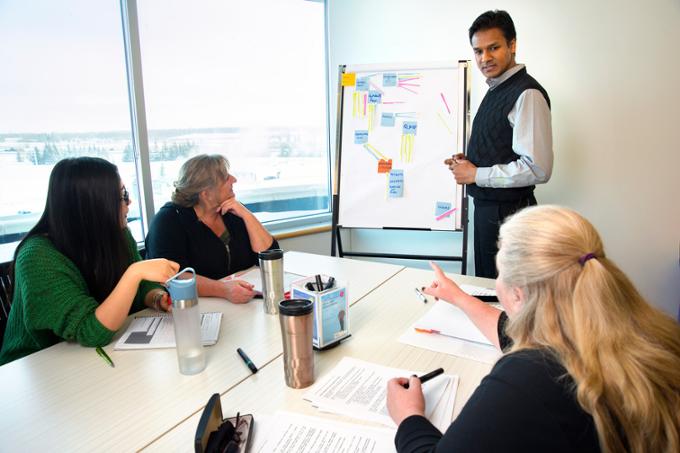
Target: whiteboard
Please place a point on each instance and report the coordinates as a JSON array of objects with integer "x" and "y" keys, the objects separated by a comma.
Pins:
[{"x": 413, "y": 115}]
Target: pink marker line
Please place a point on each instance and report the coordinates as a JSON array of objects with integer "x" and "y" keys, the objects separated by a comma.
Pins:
[
  {"x": 406, "y": 80},
  {"x": 376, "y": 87},
  {"x": 445, "y": 214},
  {"x": 365, "y": 96},
  {"x": 394, "y": 102},
  {"x": 407, "y": 89},
  {"x": 447, "y": 105}
]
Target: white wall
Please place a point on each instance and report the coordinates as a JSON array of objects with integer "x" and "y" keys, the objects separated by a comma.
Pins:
[{"x": 612, "y": 71}]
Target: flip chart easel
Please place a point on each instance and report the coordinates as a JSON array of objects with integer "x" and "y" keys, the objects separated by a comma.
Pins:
[{"x": 396, "y": 125}]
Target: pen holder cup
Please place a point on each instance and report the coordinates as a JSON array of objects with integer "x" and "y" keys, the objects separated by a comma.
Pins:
[{"x": 331, "y": 311}]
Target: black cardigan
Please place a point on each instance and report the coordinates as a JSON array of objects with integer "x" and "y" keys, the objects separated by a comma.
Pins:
[{"x": 177, "y": 234}]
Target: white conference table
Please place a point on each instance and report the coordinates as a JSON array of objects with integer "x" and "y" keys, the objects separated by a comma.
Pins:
[
  {"x": 66, "y": 398},
  {"x": 377, "y": 321}
]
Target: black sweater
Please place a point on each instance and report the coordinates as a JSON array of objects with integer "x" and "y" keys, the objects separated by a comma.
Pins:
[
  {"x": 177, "y": 234},
  {"x": 526, "y": 404}
]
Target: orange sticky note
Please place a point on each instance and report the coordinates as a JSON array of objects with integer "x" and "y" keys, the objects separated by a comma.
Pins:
[
  {"x": 384, "y": 166},
  {"x": 349, "y": 79}
]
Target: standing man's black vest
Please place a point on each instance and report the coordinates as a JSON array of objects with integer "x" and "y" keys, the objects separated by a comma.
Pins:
[{"x": 491, "y": 137}]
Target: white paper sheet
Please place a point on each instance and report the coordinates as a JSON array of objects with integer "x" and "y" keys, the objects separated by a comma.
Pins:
[
  {"x": 158, "y": 331},
  {"x": 459, "y": 336},
  {"x": 287, "y": 432},
  {"x": 358, "y": 389}
]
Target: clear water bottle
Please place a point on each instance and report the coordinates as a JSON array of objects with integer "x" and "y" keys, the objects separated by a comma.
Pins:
[{"x": 187, "y": 320}]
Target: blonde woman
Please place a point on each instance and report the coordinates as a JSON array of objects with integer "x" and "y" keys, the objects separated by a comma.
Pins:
[
  {"x": 207, "y": 228},
  {"x": 589, "y": 364}
]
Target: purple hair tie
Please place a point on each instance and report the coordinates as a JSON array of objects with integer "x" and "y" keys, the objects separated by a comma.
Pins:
[{"x": 586, "y": 257}]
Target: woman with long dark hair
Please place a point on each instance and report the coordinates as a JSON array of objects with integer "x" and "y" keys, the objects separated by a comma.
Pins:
[{"x": 77, "y": 273}]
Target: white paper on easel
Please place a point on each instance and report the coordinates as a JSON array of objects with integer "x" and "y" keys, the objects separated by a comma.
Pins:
[{"x": 358, "y": 389}]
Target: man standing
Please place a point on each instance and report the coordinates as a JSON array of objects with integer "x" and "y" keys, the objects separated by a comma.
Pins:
[{"x": 510, "y": 148}]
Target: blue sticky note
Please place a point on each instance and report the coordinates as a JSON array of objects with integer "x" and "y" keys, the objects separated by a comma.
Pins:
[
  {"x": 362, "y": 84},
  {"x": 395, "y": 185},
  {"x": 360, "y": 137},
  {"x": 410, "y": 127},
  {"x": 441, "y": 207},
  {"x": 387, "y": 119},
  {"x": 390, "y": 79},
  {"x": 374, "y": 97}
]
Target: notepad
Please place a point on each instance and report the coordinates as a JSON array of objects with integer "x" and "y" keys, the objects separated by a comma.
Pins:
[{"x": 158, "y": 331}]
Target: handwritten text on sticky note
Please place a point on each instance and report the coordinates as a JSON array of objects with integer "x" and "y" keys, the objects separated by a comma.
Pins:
[{"x": 395, "y": 184}]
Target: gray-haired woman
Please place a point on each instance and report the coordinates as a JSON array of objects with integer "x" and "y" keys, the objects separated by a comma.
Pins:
[{"x": 207, "y": 228}]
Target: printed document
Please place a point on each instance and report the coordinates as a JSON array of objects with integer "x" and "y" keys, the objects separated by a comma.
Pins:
[
  {"x": 158, "y": 331},
  {"x": 287, "y": 432},
  {"x": 358, "y": 389}
]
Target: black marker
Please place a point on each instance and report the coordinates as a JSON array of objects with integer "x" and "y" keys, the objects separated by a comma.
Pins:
[
  {"x": 247, "y": 360},
  {"x": 426, "y": 377},
  {"x": 330, "y": 283},
  {"x": 319, "y": 282}
]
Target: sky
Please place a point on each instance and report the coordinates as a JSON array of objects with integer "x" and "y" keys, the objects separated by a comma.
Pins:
[{"x": 205, "y": 64}]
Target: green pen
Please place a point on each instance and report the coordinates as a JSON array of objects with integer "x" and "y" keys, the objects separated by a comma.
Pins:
[{"x": 105, "y": 356}]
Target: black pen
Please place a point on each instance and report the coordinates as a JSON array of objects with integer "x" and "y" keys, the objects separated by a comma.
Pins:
[
  {"x": 330, "y": 283},
  {"x": 426, "y": 377},
  {"x": 247, "y": 360},
  {"x": 319, "y": 282}
]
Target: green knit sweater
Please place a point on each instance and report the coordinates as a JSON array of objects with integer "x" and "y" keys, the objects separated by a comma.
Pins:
[{"x": 52, "y": 303}]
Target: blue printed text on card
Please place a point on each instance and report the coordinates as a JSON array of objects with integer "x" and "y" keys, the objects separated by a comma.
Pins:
[
  {"x": 441, "y": 207},
  {"x": 390, "y": 79},
  {"x": 374, "y": 97},
  {"x": 360, "y": 137},
  {"x": 362, "y": 84},
  {"x": 410, "y": 128},
  {"x": 395, "y": 185},
  {"x": 387, "y": 119}
]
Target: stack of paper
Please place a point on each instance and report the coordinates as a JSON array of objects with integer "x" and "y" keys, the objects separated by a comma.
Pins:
[
  {"x": 445, "y": 328},
  {"x": 286, "y": 432},
  {"x": 358, "y": 389}
]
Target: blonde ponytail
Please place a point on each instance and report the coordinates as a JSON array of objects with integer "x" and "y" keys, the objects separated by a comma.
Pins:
[{"x": 623, "y": 354}]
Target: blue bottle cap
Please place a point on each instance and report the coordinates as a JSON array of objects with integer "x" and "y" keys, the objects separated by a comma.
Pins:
[{"x": 182, "y": 288}]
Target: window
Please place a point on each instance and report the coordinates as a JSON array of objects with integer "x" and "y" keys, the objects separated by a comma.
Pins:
[
  {"x": 244, "y": 79},
  {"x": 240, "y": 78},
  {"x": 63, "y": 93}
]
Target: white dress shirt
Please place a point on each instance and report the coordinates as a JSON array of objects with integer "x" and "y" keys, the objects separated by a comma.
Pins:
[{"x": 531, "y": 139}]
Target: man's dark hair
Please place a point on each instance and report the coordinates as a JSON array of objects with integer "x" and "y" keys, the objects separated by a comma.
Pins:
[{"x": 494, "y": 19}]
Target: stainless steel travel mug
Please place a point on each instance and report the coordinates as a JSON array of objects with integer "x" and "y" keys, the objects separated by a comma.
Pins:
[
  {"x": 271, "y": 271},
  {"x": 297, "y": 325}
]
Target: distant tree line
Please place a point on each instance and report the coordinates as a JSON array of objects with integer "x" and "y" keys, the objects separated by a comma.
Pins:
[{"x": 50, "y": 153}]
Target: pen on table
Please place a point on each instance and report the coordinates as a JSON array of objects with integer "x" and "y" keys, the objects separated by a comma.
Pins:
[
  {"x": 421, "y": 296},
  {"x": 105, "y": 356},
  {"x": 247, "y": 360},
  {"x": 426, "y": 377}
]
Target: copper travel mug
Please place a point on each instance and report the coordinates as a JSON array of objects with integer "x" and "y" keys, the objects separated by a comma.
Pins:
[{"x": 297, "y": 326}]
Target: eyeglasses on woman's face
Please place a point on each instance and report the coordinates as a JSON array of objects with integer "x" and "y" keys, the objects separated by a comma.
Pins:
[{"x": 124, "y": 195}]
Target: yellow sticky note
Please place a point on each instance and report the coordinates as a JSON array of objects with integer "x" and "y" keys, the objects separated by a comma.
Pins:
[{"x": 349, "y": 79}]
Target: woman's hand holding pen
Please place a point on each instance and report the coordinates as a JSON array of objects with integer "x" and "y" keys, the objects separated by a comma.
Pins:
[
  {"x": 403, "y": 402},
  {"x": 443, "y": 287}
]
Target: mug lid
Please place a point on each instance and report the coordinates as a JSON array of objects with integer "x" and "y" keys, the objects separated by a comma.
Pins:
[
  {"x": 295, "y": 307},
  {"x": 272, "y": 254}
]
